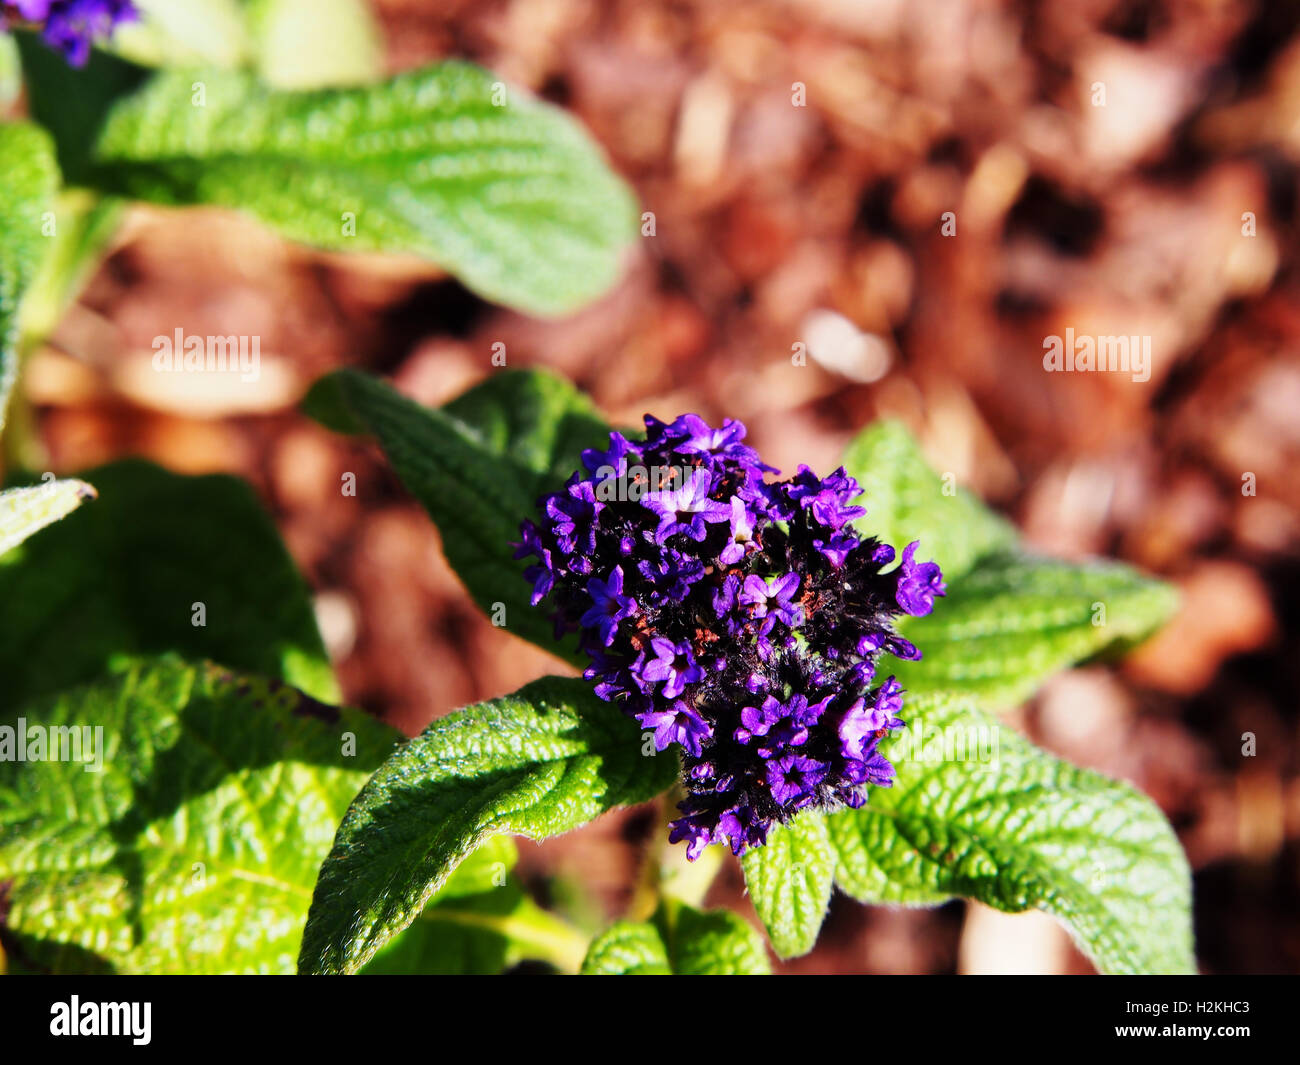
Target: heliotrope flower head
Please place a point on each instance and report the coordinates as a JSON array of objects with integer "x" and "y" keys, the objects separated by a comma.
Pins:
[
  {"x": 69, "y": 26},
  {"x": 736, "y": 616}
]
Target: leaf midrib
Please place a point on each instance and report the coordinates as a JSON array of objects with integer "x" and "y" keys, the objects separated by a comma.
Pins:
[{"x": 1050, "y": 891}]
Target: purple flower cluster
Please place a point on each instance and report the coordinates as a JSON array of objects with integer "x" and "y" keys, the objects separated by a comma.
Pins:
[
  {"x": 737, "y": 617},
  {"x": 69, "y": 26}
]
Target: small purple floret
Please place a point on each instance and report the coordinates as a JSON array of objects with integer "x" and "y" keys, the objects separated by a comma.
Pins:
[{"x": 71, "y": 27}]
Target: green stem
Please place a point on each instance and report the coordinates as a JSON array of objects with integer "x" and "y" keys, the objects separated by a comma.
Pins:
[
  {"x": 86, "y": 225},
  {"x": 666, "y": 872},
  {"x": 537, "y": 932}
]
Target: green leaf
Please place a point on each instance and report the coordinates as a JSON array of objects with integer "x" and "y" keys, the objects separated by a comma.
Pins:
[
  {"x": 125, "y": 576},
  {"x": 195, "y": 847},
  {"x": 710, "y": 942},
  {"x": 24, "y": 511},
  {"x": 488, "y": 867},
  {"x": 72, "y": 103},
  {"x": 480, "y": 922},
  {"x": 977, "y": 811},
  {"x": 31, "y": 180},
  {"x": 478, "y": 465},
  {"x": 547, "y": 759},
  {"x": 905, "y": 501},
  {"x": 478, "y": 935},
  {"x": 1014, "y": 620},
  {"x": 1007, "y": 622},
  {"x": 514, "y": 199},
  {"x": 789, "y": 882},
  {"x": 679, "y": 940},
  {"x": 628, "y": 948}
]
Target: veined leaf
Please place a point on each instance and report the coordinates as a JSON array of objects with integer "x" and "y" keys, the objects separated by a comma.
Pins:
[
  {"x": 998, "y": 833},
  {"x": 480, "y": 922},
  {"x": 194, "y": 846},
  {"x": 160, "y": 563},
  {"x": 1012, "y": 621},
  {"x": 31, "y": 179},
  {"x": 906, "y": 501},
  {"x": 506, "y": 192},
  {"x": 478, "y": 465},
  {"x": 710, "y": 942},
  {"x": 547, "y": 759},
  {"x": 486, "y": 869},
  {"x": 24, "y": 511},
  {"x": 628, "y": 948},
  {"x": 977, "y": 811},
  {"x": 789, "y": 881},
  {"x": 679, "y": 940}
]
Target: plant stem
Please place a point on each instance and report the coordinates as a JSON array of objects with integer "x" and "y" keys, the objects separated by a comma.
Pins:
[
  {"x": 539, "y": 933},
  {"x": 666, "y": 872}
]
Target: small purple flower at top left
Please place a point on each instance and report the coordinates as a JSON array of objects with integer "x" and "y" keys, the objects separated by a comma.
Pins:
[{"x": 71, "y": 27}]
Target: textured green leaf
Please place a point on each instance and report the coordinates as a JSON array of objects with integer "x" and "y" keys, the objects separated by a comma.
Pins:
[
  {"x": 547, "y": 759},
  {"x": 478, "y": 465},
  {"x": 1017, "y": 829},
  {"x": 196, "y": 846},
  {"x": 679, "y": 940},
  {"x": 487, "y": 868},
  {"x": 515, "y": 200},
  {"x": 31, "y": 180},
  {"x": 122, "y": 577},
  {"x": 1011, "y": 622},
  {"x": 628, "y": 948},
  {"x": 479, "y": 935},
  {"x": 789, "y": 882},
  {"x": 483, "y": 924},
  {"x": 905, "y": 501},
  {"x": 24, "y": 511},
  {"x": 710, "y": 942}
]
